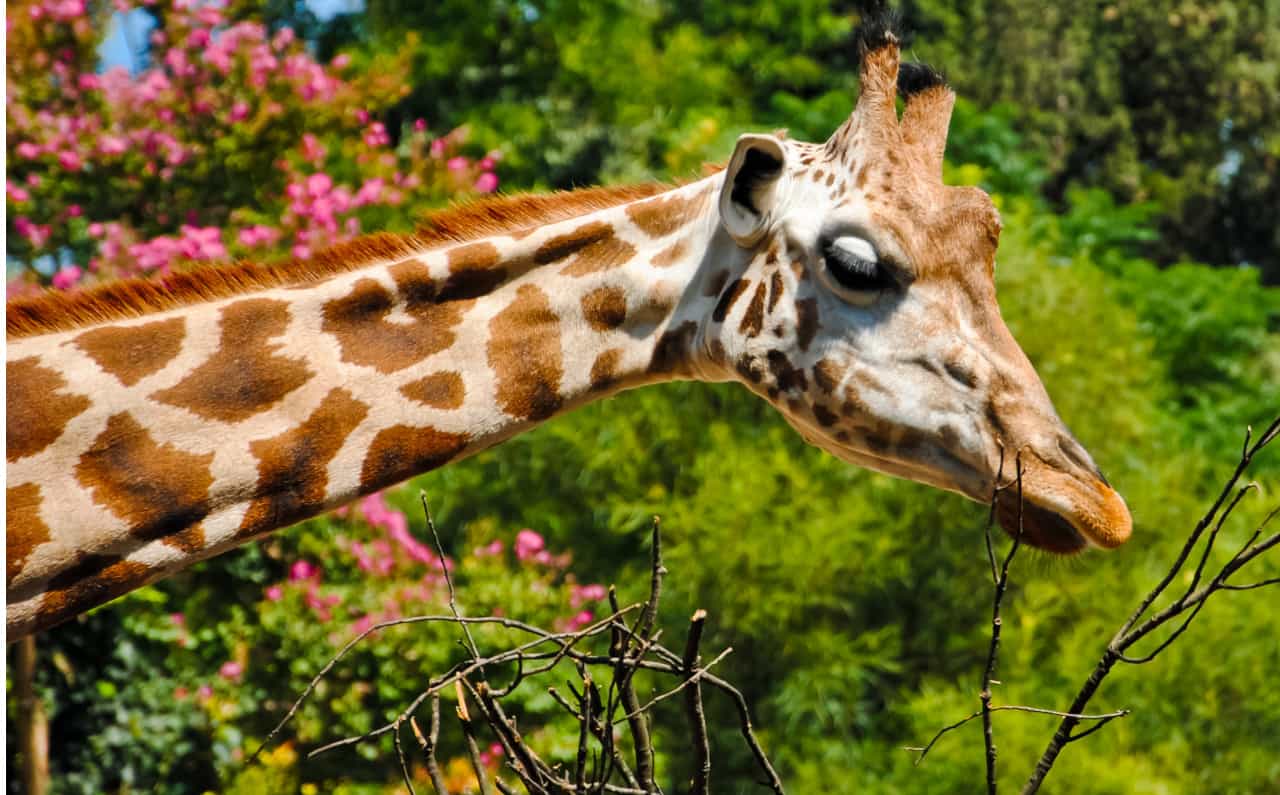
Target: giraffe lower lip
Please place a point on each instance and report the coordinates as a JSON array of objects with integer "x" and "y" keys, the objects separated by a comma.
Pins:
[{"x": 1040, "y": 527}]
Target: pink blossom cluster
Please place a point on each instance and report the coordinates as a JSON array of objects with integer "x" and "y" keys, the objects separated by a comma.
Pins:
[
  {"x": 492, "y": 756},
  {"x": 579, "y": 594},
  {"x": 305, "y": 576},
  {"x": 117, "y": 146},
  {"x": 531, "y": 547}
]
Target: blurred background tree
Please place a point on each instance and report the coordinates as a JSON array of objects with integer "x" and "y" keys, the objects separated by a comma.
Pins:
[{"x": 1125, "y": 143}]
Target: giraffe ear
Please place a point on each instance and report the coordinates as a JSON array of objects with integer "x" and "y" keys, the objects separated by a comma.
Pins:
[{"x": 749, "y": 194}]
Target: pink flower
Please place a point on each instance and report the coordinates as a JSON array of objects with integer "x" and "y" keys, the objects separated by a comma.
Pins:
[
  {"x": 231, "y": 671},
  {"x": 302, "y": 570},
  {"x": 95, "y": 229},
  {"x": 210, "y": 16},
  {"x": 16, "y": 193},
  {"x": 319, "y": 184},
  {"x": 312, "y": 149},
  {"x": 112, "y": 145},
  {"x": 257, "y": 235},
  {"x": 369, "y": 192},
  {"x": 69, "y": 160},
  {"x": 586, "y": 593},
  {"x": 204, "y": 693},
  {"x": 88, "y": 82},
  {"x": 528, "y": 544},
  {"x": 492, "y": 549},
  {"x": 178, "y": 619},
  {"x": 341, "y": 61},
  {"x": 457, "y": 163},
  {"x": 376, "y": 135},
  {"x": 36, "y": 234},
  {"x": 74, "y": 211},
  {"x": 239, "y": 112},
  {"x": 33, "y": 180},
  {"x": 438, "y": 148},
  {"x": 283, "y": 38},
  {"x": 274, "y": 593},
  {"x": 419, "y": 125},
  {"x": 198, "y": 39},
  {"x": 487, "y": 182},
  {"x": 581, "y": 620},
  {"x": 362, "y": 116}
]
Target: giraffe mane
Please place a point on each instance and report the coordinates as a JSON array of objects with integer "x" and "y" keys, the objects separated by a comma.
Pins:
[{"x": 53, "y": 311}]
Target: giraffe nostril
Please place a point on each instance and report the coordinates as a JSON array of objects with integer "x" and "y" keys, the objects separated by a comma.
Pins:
[{"x": 1076, "y": 455}]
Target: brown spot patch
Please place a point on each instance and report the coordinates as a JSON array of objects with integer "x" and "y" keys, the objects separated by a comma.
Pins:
[
  {"x": 93, "y": 580},
  {"x": 806, "y": 321},
  {"x": 749, "y": 368},
  {"x": 604, "y": 370},
  {"x": 403, "y": 451},
  {"x": 825, "y": 417},
  {"x": 594, "y": 247},
  {"x": 158, "y": 489},
  {"x": 359, "y": 322},
  {"x": 24, "y": 529},
  {"x": 132, "y": 353},
  {"x": 443, "y": 390},
  {"x": 727, "y": 299},
  {"x": 244, "y": 376},
  {"x": 775, "y": 289},
  {"x": 826, "y": 374},
  {"x": 785, "y": 376},
  {"x": 672, "y": 351},
  {"x": 753, "y": 318},
  {"x": 524, "y": 352},
  {"x": 473, "y": 272},
  {"x": 605, "y": 308},
  {"x": 670, "y": 255},
  {"x": 663, "y": 215},
  {"x": 293, "y": 474},
  {"x": 38, "y": 409}
]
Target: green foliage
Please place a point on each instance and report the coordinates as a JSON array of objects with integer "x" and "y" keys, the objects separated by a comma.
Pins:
[{"x": 857, "y": 605}]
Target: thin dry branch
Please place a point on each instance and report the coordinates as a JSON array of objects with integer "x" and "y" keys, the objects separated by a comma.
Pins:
[
  {"x": 598, "y": 764},
  {"x": 1186, "y": 606}
]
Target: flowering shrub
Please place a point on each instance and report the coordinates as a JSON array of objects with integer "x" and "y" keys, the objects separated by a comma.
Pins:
[
  {"x": 233, "y": 142},
  {"x": 380, "y": 571}
]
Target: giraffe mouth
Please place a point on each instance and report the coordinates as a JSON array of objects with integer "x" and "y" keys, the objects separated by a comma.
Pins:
[{"x": 1042, "y": 528}]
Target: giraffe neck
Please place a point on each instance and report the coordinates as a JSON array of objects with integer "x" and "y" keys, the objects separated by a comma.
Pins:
[{"x": 139, "y": 447}]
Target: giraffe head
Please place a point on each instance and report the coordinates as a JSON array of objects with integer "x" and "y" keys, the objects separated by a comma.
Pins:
[{"x": 867, "y": 312}]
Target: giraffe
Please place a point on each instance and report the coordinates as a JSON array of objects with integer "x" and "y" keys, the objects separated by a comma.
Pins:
[{"x": 152, "y": 424}]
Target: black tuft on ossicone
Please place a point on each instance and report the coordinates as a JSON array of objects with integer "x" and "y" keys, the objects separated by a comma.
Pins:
[
  {"x": 879, "y": 28},
  {"x": 916, "y": 77}
]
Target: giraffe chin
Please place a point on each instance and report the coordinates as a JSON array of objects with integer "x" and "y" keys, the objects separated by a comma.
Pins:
[
  {"x": 1041, "y": 527},
  {"x": 1095, "y": 516}
]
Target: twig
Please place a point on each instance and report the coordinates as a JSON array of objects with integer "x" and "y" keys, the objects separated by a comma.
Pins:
[
  {"x": 473, "y": 748},
  {"x": 924, "y": 750},
  {"x": 602, "y": 770},
  {"x": 448, "y": 580},
  {"x": 693, "y": 707},
  {"x": 428, "y": 745},
  {"x": 630, "y": 701},
  {"x": 997, "y": 622},
  {"x": 1129, "y": 634}
]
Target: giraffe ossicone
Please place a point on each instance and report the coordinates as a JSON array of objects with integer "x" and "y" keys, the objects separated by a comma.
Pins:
[{"x": 151, "y": 425}]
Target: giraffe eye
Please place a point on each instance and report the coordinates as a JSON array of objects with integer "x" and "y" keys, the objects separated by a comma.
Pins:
[{"x": 852, "y": 265}]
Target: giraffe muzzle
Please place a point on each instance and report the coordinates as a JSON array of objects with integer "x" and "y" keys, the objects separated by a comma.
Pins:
[{"x": 1064, "y": 511}]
